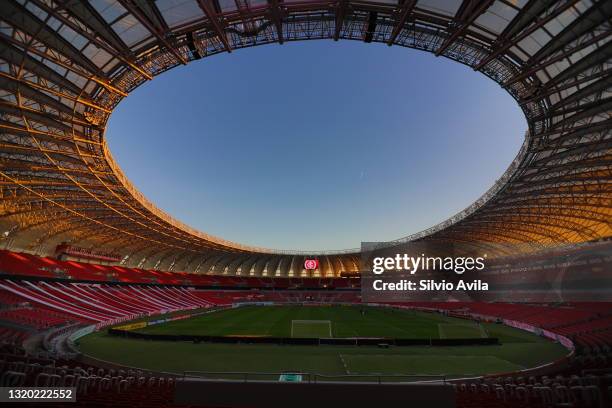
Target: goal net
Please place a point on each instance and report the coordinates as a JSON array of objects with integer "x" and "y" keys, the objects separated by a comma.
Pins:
[{"x": 311, "y": 328}]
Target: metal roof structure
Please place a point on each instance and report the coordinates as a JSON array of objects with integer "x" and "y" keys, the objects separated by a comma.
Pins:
[{"x": 66, "y": 64}]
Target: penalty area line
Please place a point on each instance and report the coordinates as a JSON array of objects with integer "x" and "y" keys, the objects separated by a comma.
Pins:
[
  {"x": 441, "y": 332},
  {"x": 346, "y": 370}
]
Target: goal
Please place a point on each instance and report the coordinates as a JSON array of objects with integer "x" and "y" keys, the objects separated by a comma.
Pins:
[{"x": 311, "y": 328}]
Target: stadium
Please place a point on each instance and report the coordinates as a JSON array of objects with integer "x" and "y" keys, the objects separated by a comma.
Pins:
[{"x": 105, "y": 296}]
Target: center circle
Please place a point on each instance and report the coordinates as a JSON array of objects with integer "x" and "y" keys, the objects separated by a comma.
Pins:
[{"x": 314, "y": 145}]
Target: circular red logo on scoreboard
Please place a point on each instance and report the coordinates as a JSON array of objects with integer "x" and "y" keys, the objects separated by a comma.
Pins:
[{"x": 311, "y": 264}]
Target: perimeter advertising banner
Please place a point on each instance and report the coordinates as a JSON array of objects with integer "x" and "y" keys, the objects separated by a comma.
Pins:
[
  {"x": 132, "y": 326},
  {"x": 140, "y": 325}
]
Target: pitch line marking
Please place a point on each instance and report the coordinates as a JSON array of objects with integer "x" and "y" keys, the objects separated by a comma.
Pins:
[
  {"x": 483, "y": 331},
  {"x": 328, "y": 322},
  {"x": 346, "y": 370},
  {"x": 441, "y": 332}
]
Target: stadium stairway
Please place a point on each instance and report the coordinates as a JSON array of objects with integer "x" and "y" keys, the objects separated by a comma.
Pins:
[{"x": 101, "y": 303}]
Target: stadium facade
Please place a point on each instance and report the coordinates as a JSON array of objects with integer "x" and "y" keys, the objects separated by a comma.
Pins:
[{"x": 65, "y": 65}]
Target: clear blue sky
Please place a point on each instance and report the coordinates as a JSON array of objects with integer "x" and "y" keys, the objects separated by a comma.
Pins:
[{"x": 316, "y": 145}]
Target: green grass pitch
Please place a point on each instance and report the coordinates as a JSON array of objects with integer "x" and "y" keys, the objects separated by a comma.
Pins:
[
  {"x": 518, "y": 350},
  {"x": 345, "y": 321}
]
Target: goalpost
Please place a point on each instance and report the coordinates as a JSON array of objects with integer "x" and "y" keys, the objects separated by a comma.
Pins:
[{"x": 311, "y": 328}]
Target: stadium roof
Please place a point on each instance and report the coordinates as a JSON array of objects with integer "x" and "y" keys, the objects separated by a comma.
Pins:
[{"x": 66, "y": 64}]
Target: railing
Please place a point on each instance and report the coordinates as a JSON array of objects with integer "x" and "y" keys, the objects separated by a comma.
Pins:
[{"x": 314, "y": 378}]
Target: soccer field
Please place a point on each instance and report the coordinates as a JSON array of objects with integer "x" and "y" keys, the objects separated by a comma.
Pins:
[
  {"x": 322, "y": 321},
  {"x": 518, "y": 349}
]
